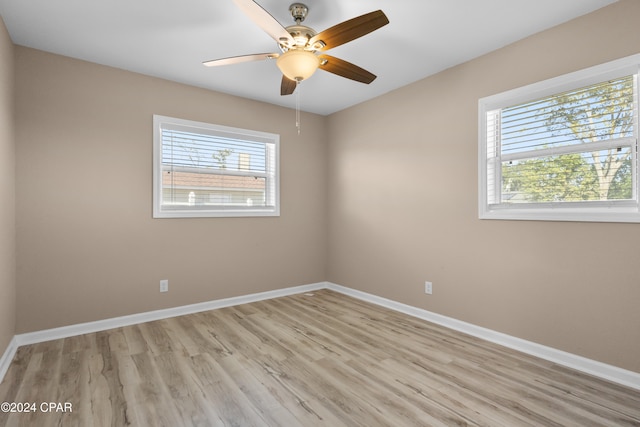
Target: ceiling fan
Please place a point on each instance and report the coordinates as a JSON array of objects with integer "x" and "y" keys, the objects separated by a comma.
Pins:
[{"x": 300, "y": 45}]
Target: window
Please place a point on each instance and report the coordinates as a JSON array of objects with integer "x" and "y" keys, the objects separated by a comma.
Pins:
[
  {"x": 564, "y": 149},
  {"x": 205, "y": 170}
]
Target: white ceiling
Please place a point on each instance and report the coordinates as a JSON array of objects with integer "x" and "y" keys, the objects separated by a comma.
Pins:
[{"x": 171, "y": 38}]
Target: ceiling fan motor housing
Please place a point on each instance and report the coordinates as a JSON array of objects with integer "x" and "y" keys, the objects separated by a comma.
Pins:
[{"x": 301, "y": 34}]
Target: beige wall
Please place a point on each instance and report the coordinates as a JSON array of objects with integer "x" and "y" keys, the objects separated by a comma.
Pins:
[
  {"x": 7, "y": 194},
  {"x": 403, "y": 206},
  {"x": 88, "y": 247}
]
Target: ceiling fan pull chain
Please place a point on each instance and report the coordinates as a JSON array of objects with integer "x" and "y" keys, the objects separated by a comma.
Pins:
[{"x": 298, "y": 105}]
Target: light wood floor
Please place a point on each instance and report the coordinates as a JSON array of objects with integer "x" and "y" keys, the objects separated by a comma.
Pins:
[{"x": 306, "y": 360}]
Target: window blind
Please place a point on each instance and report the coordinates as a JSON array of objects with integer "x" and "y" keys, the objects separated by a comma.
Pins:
[
  {"x": 208, "y": 168},
  {"x": 575, "y": 146}
]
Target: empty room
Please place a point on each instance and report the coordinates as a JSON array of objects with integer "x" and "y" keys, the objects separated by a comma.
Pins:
[{"x": 364, "y": 213}]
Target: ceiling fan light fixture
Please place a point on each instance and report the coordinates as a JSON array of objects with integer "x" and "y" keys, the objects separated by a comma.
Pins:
[{"x": 298, "y": 64}]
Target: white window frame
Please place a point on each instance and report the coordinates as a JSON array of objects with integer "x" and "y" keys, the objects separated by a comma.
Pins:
[
  {"x": 272, "y": 176},
  {"x": 606, "y": 211}
]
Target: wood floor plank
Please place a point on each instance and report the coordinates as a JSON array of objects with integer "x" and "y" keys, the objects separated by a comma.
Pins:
[
  {"x": 259, "y": 394},
  {"x": 313, "y": 359},
  {"x": 152, "y": 401},
  {"x": 232, "y": 405},
  {"x": 136, "y": 342}
]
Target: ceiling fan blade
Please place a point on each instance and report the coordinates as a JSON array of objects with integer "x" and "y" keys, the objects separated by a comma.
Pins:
[
  {"x": 288, "y": 86},
  {"x": 265, "y": 21},
  {"x": 350, "y": 30},
  {"x": 239, "y": 59},
  {"x": 345, "y": 69}
]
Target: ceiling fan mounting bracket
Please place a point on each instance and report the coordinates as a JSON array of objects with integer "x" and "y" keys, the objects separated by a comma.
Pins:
[{"x": 299, "y": 12}]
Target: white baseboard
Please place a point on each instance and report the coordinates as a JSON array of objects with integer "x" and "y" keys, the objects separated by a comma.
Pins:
[
  {"x": 579, "y": 363},
  {"x": 7, "y": 357},
  {"x": 592, "y": 367},
  {"x": 149, "y": 316}
]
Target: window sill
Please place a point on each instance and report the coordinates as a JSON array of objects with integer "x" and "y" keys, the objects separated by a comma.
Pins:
[
  {"x": 228, "y": 213},
  {"x": 624, "y": 215}
]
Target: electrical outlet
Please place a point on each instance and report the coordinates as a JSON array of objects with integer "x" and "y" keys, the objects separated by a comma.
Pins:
[
  {"x": 164, "y": 285},
  {"x": 428, "y": 288}
]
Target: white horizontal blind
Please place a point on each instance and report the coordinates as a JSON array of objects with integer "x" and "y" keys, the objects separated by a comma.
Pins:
[
  {"x": 574, "y": 147},
  {"x": 209, "y": 170}
]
